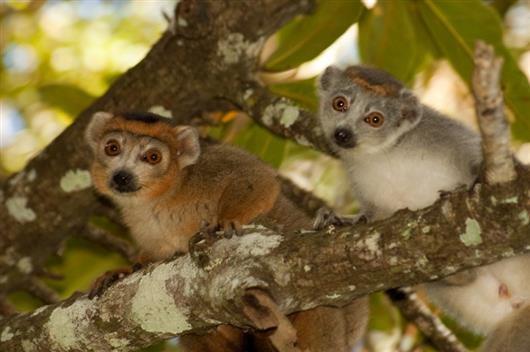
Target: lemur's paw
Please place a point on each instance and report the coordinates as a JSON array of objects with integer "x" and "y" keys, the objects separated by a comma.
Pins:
[
  {"x": 459, "y": 188},
  {"x": 138, "y": 266},
  {"x": 106, "y": 280},
  {"x": 230, "y": 228},
  {"x": 326, "y": 217},
  {"x": 203, "y": 240}
]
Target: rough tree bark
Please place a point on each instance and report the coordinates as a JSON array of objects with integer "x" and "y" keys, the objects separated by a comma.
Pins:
[
  {"x": 489, "y": 106},
  {"x": 193, "y": 68},
  {"x": 210, "y": 63},
  {"x": 299, "y": 270}
]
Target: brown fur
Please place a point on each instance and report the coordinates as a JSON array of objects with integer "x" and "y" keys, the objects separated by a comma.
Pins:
[
  {"x": 315, "y": 333},
  {"x": 376, "y": 81},
  {"x": 158, "y": 188},
  {"x": 324, "y": 329},
  {"x": 159, "y": 130},
  {"x": 223, "y": 339},
  {"x": 225, "y": 185}
]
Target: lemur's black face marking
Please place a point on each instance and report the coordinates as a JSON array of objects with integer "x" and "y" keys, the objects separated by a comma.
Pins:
[
  {"x": 344, "y": 138},
  {"x": 124, "y": 181},
  {"x": 146, "y": 117}
]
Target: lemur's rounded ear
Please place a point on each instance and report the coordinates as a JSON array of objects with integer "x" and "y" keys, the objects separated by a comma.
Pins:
[
  {"x": 330, "y": 73},
  {"x": 411, "y": 109},
  {"x": 188, "y": 147},
  {"x": 95, "y": 127}
]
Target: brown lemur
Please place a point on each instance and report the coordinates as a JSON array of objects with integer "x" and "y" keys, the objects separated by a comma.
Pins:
[
  {"x": 167, "y": 184},
  {"x": 400, "y": 154}
]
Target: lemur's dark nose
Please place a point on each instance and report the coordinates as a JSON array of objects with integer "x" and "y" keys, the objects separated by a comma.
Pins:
[
  {"x": 344, "y": 138},
  {"x": 122, "y": 178},
  {"x": 123, "y": 181}
]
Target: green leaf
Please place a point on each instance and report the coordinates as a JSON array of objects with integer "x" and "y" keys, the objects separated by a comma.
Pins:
[
  {"x": 81, "y": 264},
  {"x": 23, "y": 301},
  {"x": 69, "y": 98},
  {"x": 157, "y": 347},
  {"x": 305, "y": 38},
  {"x": 254, "y": 139},
  {"x": 263, "y": 144},
  {"x": 464, "y": 335},
  {"x": 383, "y": 315},
  {"x": 302, "y": 92},
  {"x": 502, "y": 6},
  {"x": 387, "y": 39},
  {"x": 455, "y": 26},
  {"x": 420, "y": 30}
]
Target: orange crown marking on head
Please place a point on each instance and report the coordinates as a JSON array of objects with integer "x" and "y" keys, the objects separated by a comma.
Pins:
[
  {"x": 160, "y": 130},
  {"x": 376, "y": 81}
]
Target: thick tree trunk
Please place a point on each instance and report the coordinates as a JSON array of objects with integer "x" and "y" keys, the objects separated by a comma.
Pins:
[
  {"x": 193, "y": 68},
  {"x": 208, "y": 60},
  {"x": 299, "y": 270}
]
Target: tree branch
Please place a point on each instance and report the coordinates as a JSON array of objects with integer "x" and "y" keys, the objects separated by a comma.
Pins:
[
  {"x": 407, "y": 301},
  {"x": 300, "y": 271},
  {"x": 51, "y": 198},
  {"x": 187, "y": 72},
  {"x": 41, "y": 291},
  {"x": 305, "y": 200},
  {"x": 6, "y": 308},
  {"x": 281, "y": 116},
  {"x": 110, "y": 241},
  {"x": 489, "y": 105}
]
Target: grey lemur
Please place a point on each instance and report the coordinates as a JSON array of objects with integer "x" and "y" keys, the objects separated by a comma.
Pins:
[
  {"x": 166, "y": 184},
  {"x": 400, "y": 154}
]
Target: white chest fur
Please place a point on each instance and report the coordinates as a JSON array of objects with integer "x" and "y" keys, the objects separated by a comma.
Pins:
[
  {"x": 160, "y": 232},
  {"x": 387, "y": 182}
]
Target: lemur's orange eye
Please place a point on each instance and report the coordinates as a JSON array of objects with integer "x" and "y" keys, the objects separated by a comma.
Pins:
[
  {"x": 112, "y": 148},
  {"x": 152, "y": 156},
  {"x": 374, "y": 119},
  {"x": 340, "y": 103}
]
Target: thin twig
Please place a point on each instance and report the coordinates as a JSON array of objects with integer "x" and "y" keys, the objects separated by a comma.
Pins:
[
  {"x": 414, "y": 310},
  {"x": 171, "y": 22},
  {"x": 40, "y": 290},
  {"x": 493, "y": 124},
  {"x": 109, "y": 241},
  {"x": 305, "y": 200},
  {"x": 105, "y": 208},
  {"x": 43, "y": 273},
  {"x": 6, "y": 308}
]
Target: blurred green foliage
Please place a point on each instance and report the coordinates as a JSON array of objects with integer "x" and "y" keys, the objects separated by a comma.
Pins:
[
  {"x": 381, "y": 43},
  {"x": 470, "y": 340},
  {"x": 384, "y": 316},
  {"x": 302, "y": 91},
  {"x": 455, "y": 26},
  {"x": 57, "y": 56},
  {"x": 307, "y": 36},
  {"x": 402, "y": 37},
  {"x": 67, "y": 97}
]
